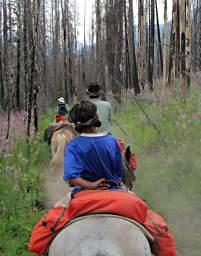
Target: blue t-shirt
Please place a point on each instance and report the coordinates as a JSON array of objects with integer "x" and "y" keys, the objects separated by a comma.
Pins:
[{"x": 93, "y": 157}]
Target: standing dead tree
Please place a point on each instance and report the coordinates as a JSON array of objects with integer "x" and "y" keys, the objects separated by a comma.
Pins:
[
  {"x": 151, "y": 44},
  {"x": 165, "y": 45},
  {"x": 141, "y": 49},
  {"x": 133, "y": 63}
]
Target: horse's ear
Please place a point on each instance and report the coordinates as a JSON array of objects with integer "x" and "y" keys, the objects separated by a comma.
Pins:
[{"x": 128, "y": 154}]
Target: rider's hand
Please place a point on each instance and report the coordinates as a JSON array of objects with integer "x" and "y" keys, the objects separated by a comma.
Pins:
[{"x": 101, "y": 183}]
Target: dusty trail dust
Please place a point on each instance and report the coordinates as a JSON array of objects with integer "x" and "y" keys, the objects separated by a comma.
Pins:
[{"x": 55, "y": 187}]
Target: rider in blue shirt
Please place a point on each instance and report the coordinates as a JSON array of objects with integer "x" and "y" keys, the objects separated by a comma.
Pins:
[{"x": 92, "y": 158}]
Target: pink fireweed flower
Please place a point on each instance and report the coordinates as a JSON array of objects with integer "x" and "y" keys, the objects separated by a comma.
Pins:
[
  {"x": 182, "y": 117},
  {"x": 184, "y": 126}
]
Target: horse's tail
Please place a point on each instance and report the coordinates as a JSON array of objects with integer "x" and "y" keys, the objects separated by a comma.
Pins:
[{"x": 56, "y": 163}]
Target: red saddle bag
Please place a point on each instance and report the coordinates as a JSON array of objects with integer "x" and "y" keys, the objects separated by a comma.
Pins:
[
  {"x": 92, "y": 201},
  {"x": 116, "y": 202},
  {"x": 162, "y": 234},
  {"x": 46, "y": 229},
  {"x": 85, "y": 202}
]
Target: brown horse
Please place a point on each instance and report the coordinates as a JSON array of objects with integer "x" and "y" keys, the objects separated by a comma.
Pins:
[
  {"x": 55, "y": 186},
  {"x": 59, "y": 140}
]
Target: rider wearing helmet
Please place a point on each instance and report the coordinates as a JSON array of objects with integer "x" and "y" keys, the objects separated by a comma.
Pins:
[{"x": 62, "y": 111}]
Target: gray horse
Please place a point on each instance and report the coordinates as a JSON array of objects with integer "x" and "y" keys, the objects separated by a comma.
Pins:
[{"x": 102, "y": 235}]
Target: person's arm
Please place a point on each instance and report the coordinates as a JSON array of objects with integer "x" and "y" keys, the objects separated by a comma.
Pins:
[
  {"x": 72, "y": 163},
  {"x": 73, "y": 167}
]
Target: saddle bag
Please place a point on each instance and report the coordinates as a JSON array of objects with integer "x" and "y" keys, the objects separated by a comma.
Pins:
[
  {"x": 117, "y": 202},
  {"x": 46, "y": 229},
  {"x": 164, "y": 242},
  {"x": 85, "y": 202}
]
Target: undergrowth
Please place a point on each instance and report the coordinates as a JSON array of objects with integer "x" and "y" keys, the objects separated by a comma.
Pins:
[
  {"x": 168, "y": 173},
  {"x": 169, "y": 163},
  {"x": 21, "y": 189}
]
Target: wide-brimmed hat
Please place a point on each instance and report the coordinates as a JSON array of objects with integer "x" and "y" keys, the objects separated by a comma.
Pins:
[{"x": 94, "y": 90}]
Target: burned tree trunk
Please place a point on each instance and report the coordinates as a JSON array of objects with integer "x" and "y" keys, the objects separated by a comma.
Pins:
[
  {"x": 19, "y": 30},
  {"x": 110, "y": 46},
  {"x": 116, "y": 89},
  {"x": 65, "y": 54},
  {"x": 151, "y": 45},
  {"x": 176, "y": 40},
  {"x": 159, "y": 42},
  {"x": 141, "y": 44},
  {"x": 1, "y": 64},
  {"x": 182, "y": 8},
  {"x": 188, "y": 43},
  {"x": 165, "y": 45},
  {"x": 6, "y": 65},
  {"x": 133, "y": 64},
  {"x": 127, "y": 60}
]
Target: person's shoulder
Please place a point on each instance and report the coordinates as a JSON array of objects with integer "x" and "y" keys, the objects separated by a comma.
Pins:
[
  {"x": 106, "y": 103},
  {"x": 74, "y": 142},
  {"x": 111, "y": 137}
]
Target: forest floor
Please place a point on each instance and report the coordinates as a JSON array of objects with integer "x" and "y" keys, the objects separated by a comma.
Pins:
[{"x": 168, "y": 173}]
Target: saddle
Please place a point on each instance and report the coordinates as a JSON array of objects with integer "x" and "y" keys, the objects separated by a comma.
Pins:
[{"x": 49, "y": 131}]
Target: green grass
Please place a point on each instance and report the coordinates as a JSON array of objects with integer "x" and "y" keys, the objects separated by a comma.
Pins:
[
  {"x": 21, "y": 192},
  {"x": 169, "y": 176}
]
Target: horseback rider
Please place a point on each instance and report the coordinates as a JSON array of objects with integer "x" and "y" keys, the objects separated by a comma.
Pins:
[
  {"x": 104, "y": 107},
  {"x": 61, "y": 119},
  {"x": 63, "y": 110},
  {"x": 91, "y": 158}
]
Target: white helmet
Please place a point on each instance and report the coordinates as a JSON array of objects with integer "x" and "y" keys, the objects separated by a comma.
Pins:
[{"x": 61, "y": 100}]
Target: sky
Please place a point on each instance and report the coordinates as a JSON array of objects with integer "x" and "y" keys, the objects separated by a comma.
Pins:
[{"x": 89, "y": 6}]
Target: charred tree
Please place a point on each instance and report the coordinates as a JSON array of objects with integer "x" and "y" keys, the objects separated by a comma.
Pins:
[
  {"x": 151, "y": 44},
  {"x": 165, "y": 45},
  {"x": 18, "y": 74},
  {"x": 133, "y": 64},
  {"x": 141, "y": 48},
  {"x": 159, "y": 42}
]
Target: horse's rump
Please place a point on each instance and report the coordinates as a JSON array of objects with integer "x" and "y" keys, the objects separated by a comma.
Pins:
[{"x": 102, "y": 234}]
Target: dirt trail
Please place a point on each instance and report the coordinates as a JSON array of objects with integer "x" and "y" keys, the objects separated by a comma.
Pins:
[{"x": 55, "y": 187}]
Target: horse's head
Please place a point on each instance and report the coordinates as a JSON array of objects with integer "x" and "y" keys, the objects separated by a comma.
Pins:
[{"x": 129, "y": 164}]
